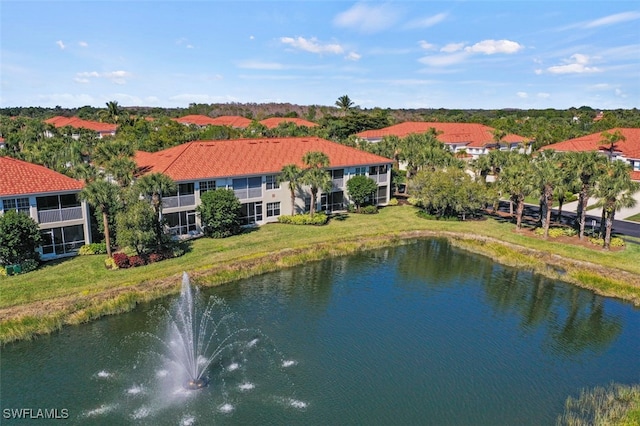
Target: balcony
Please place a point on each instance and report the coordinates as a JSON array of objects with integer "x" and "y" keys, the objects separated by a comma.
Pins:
[
  {"x": 244, "y": 193},
  {"x": 179, "y": 201},
  {"x": 60, "y": 215},
  {"x": 381, "y": 178},
  {"x": 338, "y": 183}
]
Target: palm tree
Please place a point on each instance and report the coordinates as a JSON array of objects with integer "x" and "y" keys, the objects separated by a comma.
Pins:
[
  {"x": 615, "y": 190},
  {"x": 316, "y": 176},
  {"x": 611, "y": 139},
  {"x": 588, "y": 167},
  {"x": 345, "y": 103},
  {"x": 121, "y": 169},
  {"x": 546, "y": 175},
  {"x": 292, "y": 174},
  {"x": 112, "y": 113},
  {"x": 101, "y": 194},
  {"x": 515, "y": 180},
  {"x": 154, "y": 186}
]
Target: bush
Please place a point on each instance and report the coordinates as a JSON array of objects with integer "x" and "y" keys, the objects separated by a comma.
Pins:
[
  {"x": 136, "y": 261},
  {"x": 305, "y": 219},
  {"x": 393, "y": 202},
  {"x": 369, "y": 210},
  {"x": 155, "y": 257},
  {"x": 19, "y": 238},
  {"x": 557, "y": 232},
  {"x": 109, "y": 263},
  {"x": 93, "y": 248},
  {"x": 615, "y": 241},
  {"x": 121, "y": 260},
  {"x": 29, "y": 265}
]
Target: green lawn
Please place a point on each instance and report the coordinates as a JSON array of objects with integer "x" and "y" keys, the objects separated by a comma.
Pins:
[
  {"x": 75, "y": 281},
  {"x": 634, "y": 218}
]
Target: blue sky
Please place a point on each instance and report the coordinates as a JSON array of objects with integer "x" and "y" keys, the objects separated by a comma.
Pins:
[{"x": 394, "y": 54}]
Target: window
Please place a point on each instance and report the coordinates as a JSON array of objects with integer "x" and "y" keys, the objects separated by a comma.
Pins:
[
  {"x": 272, "y": 182},
  {"x": 181, "y": 223},
  {"x": 21, "y": 205},
  {"x": 55, "y": 202},
  {"x": 208, "y": 185},
  {"x": 251, "y": 213},
  {"x": 59, "y": 241},
  {"x": 378, "y": 170},
  {"x": 185, "y": 188},
  {"x": 273, "y": 209},
  {"x": 361, "y": 171},
  {"x": 247, "y": 187}
]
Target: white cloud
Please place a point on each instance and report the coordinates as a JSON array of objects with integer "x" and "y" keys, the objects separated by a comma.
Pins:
[
  {"x": 452, "y": 47},
  {"x": 613, "y": 19},
  {"x": 353, "y": 56},
  {"x": 577, "y": 64},
  {"x": 312, "y": 45},
  {"x": 60, "y": 44},
  {"x": 600, "y": 86},
  {"x": 444, "y": 60},
  {"x": 544, "y": 95},
  {"x": 490, "y": 47},
  {"x": 117, "y": 77},
  {"x": 83, "y": 44},
  {"x": 368, "y": 18},
  {"x": 427, "y": 22},
  {"x": 522, "y": 95},
  {"x": 426, "y": 45}
]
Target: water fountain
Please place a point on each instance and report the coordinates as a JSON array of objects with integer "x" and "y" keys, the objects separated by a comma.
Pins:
[{"x": 204, "y": 360}]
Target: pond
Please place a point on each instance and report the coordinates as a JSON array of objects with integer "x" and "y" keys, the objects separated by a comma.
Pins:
[{"x": 418, "y": 334}]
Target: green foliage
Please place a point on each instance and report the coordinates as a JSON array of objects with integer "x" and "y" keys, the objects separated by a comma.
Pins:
[
  {"x": 93, "y": 248},
  {"x": 557, "y": 232},
  {"x": 19, "y": 238},
  {"x": 220, "y": 212},
  {"x": 449, "y": 192},
  {"x": 615, "y": 241},
  {"x": 360, "y": 189},
  {"x": 109, "y": 263},
  {"x": 305, "y": 219},
  {"x": 369, "y": 210},
  {"x": 136, "y": 227},
  {"x": 393, "y": 202}
]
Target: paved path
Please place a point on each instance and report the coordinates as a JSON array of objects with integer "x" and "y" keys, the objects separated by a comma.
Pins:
[{"x": 597, "y": 212}]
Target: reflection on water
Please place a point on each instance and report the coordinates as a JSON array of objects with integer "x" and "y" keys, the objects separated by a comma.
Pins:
[{"x": 423, "y": 333}]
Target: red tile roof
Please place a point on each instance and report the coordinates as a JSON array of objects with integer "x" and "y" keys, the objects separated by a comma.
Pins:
[
  {"x": 243, "y": 157},
  {"x": 20, "y": 177},
  {"x": 273, "y": 122},
  {"x": 635, "y": 175},
  {"x": 471, "y": 134},
  {"x": 198, "y": 120},
  {"x": 79, "y": 123},
  {"x": 630, "y": 147},
  {"x": 232, "y": 121}
]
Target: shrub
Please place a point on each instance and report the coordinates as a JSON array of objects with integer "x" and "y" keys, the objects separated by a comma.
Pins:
[
  {"x": 155, "y": 257},
  {"x": 121, "y": 260},
  {"x": 557, "y": 232},
  {"x": 393, "y": 202},
  {"x": 93, "y": 248},
  {"x": 615, "y": 241},
  {"x": 109, "y": 263},
  {"x": 29, "y": 265},
  {"x": 19, "y": 238},
  {"x": 369, "y": 210},
  {"x": 305, "y": 219},
  {"x": 136, "y": 261}
]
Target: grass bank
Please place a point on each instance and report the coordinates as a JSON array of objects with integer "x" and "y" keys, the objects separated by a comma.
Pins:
[{"x": 80, "y": 289}]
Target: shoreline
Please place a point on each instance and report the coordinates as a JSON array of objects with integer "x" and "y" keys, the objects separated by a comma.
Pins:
[{"x": 26, "y": 321}]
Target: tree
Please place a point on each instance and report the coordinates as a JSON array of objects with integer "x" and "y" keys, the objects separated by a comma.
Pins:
[
  {"x": 154, "y": 186},
  {"x": 448, "y": 193},
  {"x": 220, "y": 212},
  {"x": 293, "y": 175},
  {"x": 315, "y": 175},
  {"x": 345, "y": 103},
  {"x": 615, "y": 190},
  {"x": 19, "y": 238},
  {"x": 112, "y": 114},
  {"x": 136, "y": 226},
  {"x": 515, "y": 180},
  {"x": 611, "y": 139},
  {"x": 588, "y": 167},
  {"x": 101, "y": 195},
  {"x": 546, "y": 176},
  {"x": 360, "y": 188}
]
